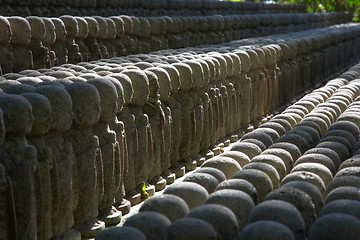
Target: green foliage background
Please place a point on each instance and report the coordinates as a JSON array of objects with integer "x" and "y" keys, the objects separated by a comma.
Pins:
[{"x": 352, "y": 6}]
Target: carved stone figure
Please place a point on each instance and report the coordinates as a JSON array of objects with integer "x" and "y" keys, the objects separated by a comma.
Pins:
[
  {"x": 19, "y": 160},
  {"x": 41, "y": 109},
  {"x": 245, "y": 89},
  {"x": 8, "y": 224},
  {"x": 63, "y": 161},
  {"x": 157, "y": 120},
  {"x": 186, "y": 104},
  {"x": 20, "y": 39},
  {"x": 6, "y": 54},
  {"x": 49, "y": 40},
  {"x": 59, "y": 47},
  {"x": 121, "y": 151},
  {"x": 140, "y": 97},
  {"x": 130, "y": 144},
  {"x": 80, "y": 39},
  {"x": 120, "y": 31},
  {"x": 40, "y": 53},
  {"x": 107, "y": 140},
  {"x": 103, "y": 33},
  {"x": 86, "y": 108},
  {"x": 72, "y": 31},
  {"x": 175, "y": 110},
  {"x": 91, "y": 40}
]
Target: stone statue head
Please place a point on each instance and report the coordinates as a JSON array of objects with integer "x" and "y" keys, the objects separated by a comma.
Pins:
[
  {"x": 145, "y": 27},
  {"x": 140, "y": 85},
  {"x": 128, "y": 24},
  {"x": 108, "y": 98},
  {"x": 197, "y": 74},
  {"x": 211, "y": 66},
  {"x": 154, "y": 25},
  {"x": 236, "y": 63},
  {"x": 85, "y": 103},
  {"x": 119, "y": 23},
  {"x": 71, "y": 25},
  {"x": 261, "y": 57},
  {"x": 19, "y": 89},
  {"x": 136, "y": 26},
  {"x": 83, "y": 27},
  {"x": 5, "y": 29},
  {"x": 154, "y": 88},
  {"x": 103, "y": 27},
  {"x": 60, "y": 30},
  {"x": 18, "y": 117},
  {"x": 37, "y": 27},
  {"x": 50, "y": 35},
  {"x": 186, "y": 76},
  {"x": 111, "y": 28},
  {"x": 245, "y": 60},
  {"x": 254, "y": 60},
  {"x": 126, "y": 84},
  {"x": 61, "y": 106},
  {"x": 41, "y": 110},
  {"x": 164, "y": 81},
  {"x": 206, "y": 71},
  {"x": 29, "y": 80},
  {"x": 222, "y": 62},
  {"x": 120, "y": 92},
  {"x": 229, "y": 65},
  {"x": 93, "y": 27},
  {"x": 174, "y": 76},
  {"x": 21, "y": 30}
]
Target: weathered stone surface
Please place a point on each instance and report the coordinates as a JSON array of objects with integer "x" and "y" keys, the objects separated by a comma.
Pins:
[
  {"x": 335, "y": 226},
  {"x": 282, "y": 212},
  {"x": 220, "y": 217},
  {"x": 238, "y": 202},
  {"x": 152, "y": 224},
  {"x": 191, "y": 229},
  {"x": 171, "y": 206},
  {"x": 266, "y": 229},
  {"x": 192, "y": 193}
]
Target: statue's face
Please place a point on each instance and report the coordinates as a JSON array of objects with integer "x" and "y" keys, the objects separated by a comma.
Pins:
[
  {"x": 92, "y": 111},
  {"x": 5, "y": 31},
  {"x": 21, "y": 119},
  {"x": 109, "y": 107},
  {"x": 42, "y": 119}
]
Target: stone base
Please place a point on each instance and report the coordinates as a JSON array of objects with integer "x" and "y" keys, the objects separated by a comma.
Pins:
[
  {"x": 110, "y": 216},
  {"x": 124, "y": 207},
  {"x": 150, "y": 189},
  {"x": 234, "y": 138},
  {"x": 209, "y": 155},
  {"x": 159, "y": 183},
  {"x": 170, "y": 178},
  {"x": 216, "y": 151},
  {"x": 179, "y": 170},
  {"x": 249, "y": 129},
  {"x": 190, "y": 165},
  {"x": 264, "y": 120},
  {"x": 200, "y": 161},
  {"x": 133, "y": 197},
  {"x": 89, "y": 230},
  {"x": 227, "y": 143}
]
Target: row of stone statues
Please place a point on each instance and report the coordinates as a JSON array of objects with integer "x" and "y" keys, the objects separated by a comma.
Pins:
[
  {"x": 81, "y": 141},
  {"x": 35, "y": 43},
  {"x": 142, "y": 8}
]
